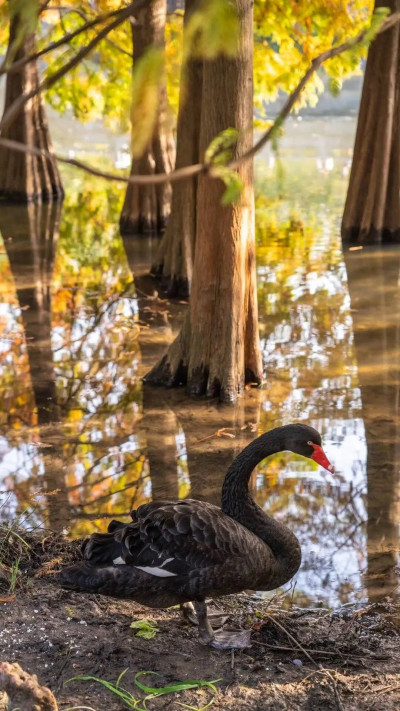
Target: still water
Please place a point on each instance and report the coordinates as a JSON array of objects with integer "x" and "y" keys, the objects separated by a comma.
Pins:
[{"x": 83, "y": 441}]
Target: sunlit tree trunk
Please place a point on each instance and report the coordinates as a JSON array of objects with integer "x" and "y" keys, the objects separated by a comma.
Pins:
[
  {"x": 25, "y": 177},
  {"x": 372, "y": 210},
  {"x": 217, "y": 350},
  {"x": 174, "y": 260},
  {"x": 147, "y": 207}
]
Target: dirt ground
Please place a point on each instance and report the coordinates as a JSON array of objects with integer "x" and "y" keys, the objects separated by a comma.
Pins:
[{"x": 299, "y": 659}]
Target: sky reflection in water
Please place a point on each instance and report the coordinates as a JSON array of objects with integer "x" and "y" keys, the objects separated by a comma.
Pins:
[{"x": 81, "y": 441}]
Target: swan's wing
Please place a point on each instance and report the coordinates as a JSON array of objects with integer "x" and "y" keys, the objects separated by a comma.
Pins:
[{"x": 170, "y": 539}]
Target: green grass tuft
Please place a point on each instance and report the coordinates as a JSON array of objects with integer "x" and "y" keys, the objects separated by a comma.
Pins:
[{"x": 139, "y": 704}]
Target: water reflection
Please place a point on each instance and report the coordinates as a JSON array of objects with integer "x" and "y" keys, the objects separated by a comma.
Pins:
[
  {"x": 375, "y": 299},
  {"x": 82, "y": 441}
]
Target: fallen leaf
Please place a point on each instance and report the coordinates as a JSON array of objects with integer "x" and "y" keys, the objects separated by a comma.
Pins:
[
  {"x": 147, "y": 629},
  {"x": 10, "y": 598}
]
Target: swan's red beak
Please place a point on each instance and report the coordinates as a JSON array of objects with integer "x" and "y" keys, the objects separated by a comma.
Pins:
[{"x": 320, "y": 457}]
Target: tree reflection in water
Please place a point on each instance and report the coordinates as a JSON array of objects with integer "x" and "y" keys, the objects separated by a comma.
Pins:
[
  {"x": 110, "y": 444},
  {"x": 375, "y": 299}
]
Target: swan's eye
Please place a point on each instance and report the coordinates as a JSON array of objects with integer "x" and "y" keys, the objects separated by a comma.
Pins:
[{"x": 309, "y": 442}]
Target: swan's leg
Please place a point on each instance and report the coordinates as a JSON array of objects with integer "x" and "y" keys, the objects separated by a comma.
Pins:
[
  {"x": 219, "y": 639},
  {"x": 189, "y": 613},
  {"x": 205, "y": 630}
]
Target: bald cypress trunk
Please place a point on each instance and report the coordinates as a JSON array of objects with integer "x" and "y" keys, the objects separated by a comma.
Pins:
[
  {"x": 217, "y": 350},
  {"x": 25, "y": 177},
  {"x": 147, "y": 207},
  {"x": 372, "y": 210},
  {"x": 174, "y": 259}
]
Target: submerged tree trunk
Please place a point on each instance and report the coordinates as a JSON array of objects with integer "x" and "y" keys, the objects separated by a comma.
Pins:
[
  {"x": 147, "y": 207},
  {"x": 372, "y": 210},
  {"x": 174, "y": 260},
  {"x": 25, "y": 177},
  {"x": 217, "y": 350}
]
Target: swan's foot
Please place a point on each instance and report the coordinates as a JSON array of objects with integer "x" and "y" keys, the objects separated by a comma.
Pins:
[
  {"x": 189, "y": 613},
  {"x": 219, "y": 639},
  {"x": 239, "y": 639}
]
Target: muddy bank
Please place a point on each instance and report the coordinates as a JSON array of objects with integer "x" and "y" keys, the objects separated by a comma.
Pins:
[{"x": 299, "y": 658}]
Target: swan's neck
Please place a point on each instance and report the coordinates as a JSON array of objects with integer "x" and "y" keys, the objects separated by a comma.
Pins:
[{"x": 238, "y": 503}]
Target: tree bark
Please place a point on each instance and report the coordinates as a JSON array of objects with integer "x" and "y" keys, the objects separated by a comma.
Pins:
[
  {"x": 174, "y": 259},
  {"x": 25, "y": 177},
  {"x": 372, "y": 210},
  {"x": 147, "y": 207},
  {"x": 217, "y": 350}
]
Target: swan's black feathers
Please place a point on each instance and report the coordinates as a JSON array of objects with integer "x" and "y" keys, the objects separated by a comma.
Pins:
[{"x": 176, "y": 537}]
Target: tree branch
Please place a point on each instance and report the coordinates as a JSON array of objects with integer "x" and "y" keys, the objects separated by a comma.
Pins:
[
  {"x": 158, "y": 179},
  {"x": 16, "y": 66},
  {"x": 17, "y": 105}
]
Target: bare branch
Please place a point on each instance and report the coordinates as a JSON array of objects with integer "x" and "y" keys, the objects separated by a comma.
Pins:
[
  {"x": 158, "y": 179},
  {"x": 17, "y": 105}
]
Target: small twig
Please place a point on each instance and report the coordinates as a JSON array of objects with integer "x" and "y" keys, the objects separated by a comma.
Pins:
[
  {"x": 314, "y": 651},
  {"x": 326, "y": 671},
  {"x": 390, "y": 687},
  {"x": 294, "y": 640}
]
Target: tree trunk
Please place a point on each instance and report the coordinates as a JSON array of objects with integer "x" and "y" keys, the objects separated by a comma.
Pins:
[
  {"x": 217, "y": 350},
  {"x": 25, "y": 177},
  {"x": 372, "y": 210},
  {"x": 174, "y": 260},
  {"x": 147, "y": 207}
]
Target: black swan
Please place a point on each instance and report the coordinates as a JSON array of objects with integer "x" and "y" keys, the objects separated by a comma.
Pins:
[{"x": 180, "y": 552}]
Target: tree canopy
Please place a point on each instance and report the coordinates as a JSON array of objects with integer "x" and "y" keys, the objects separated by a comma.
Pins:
[{"x": 288, "y": 36}]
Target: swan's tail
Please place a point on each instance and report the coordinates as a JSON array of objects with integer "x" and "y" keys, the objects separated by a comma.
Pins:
[
  {"x": 103, "y": 570},
  {"x": 85, "y": 578}
]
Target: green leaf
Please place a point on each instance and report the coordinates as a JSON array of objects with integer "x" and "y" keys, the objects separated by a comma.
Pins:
[
  {"x": 212, "y": 30},
  {"x": 27, "y": 12},
  {"x": 146, "y": 628},
  {"x": 146, "y": 80},
  {"x": 378, "y": 17},
  {"x": 233, "y": 184},
  {"x": 220, "y": 150},
  {"x": 334, "y": 86}
]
